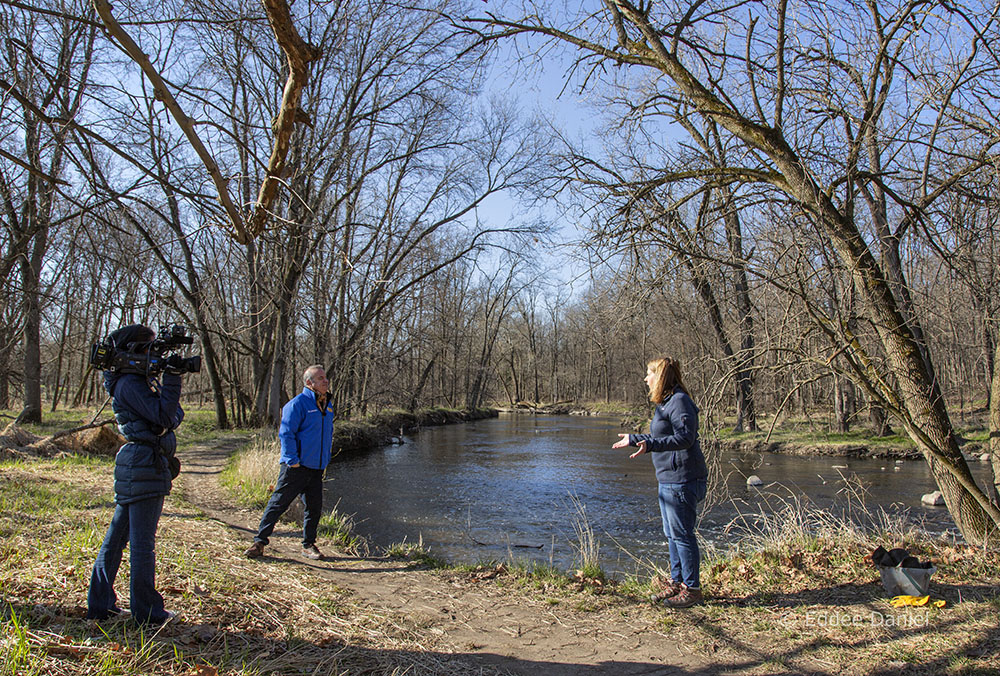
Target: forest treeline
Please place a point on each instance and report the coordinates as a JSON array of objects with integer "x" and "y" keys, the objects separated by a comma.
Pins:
[{"x": 798, "y": 200}]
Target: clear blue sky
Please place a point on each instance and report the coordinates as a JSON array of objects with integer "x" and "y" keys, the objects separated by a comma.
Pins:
[{"x": 538, "y": 87}]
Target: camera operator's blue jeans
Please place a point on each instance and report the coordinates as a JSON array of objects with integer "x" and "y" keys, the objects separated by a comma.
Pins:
[
  {"x": 293, "y": 482},
  {"x": 133, "y": 524},
  {"x": 679, "y": 511}
]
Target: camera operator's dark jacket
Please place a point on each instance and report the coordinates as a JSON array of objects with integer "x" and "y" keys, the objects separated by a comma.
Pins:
[{"x": 147, "y": 419}]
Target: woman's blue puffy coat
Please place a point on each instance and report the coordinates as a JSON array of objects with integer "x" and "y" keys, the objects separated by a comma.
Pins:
[
  {"x": 673, "y": 440},
  {"x": 147, "y": 419}
]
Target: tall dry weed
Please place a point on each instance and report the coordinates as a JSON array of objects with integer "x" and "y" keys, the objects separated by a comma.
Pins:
[
  {"x": 784, "y": 517},
  {"x": 253, "y": 470}
]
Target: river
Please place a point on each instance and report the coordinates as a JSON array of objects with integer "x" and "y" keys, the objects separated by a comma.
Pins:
[{"x": 514, "y": 486}]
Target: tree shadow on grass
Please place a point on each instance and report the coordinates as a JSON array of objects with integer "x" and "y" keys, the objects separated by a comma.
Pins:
[
  {"x": 852, "y": 593},
  {"x": 68, "y": 644},
  {"x": 855, "y": 617}
]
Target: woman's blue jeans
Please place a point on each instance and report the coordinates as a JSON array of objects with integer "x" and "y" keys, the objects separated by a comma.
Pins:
[
  {"x": 133, "y": 524},
  {"x": 679, "y": 511}
]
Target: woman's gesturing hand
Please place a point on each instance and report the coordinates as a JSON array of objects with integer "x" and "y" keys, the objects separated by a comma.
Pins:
[{"x": 623, "y": 442}]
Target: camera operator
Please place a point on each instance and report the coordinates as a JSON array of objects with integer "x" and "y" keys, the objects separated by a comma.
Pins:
[{"x": 147, "y": 412}]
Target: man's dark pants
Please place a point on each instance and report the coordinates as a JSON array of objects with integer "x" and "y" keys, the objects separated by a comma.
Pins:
[{"x": 293, "y": 482}]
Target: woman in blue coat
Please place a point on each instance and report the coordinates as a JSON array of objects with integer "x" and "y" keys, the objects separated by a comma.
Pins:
[
  {"x": 147, "y": 413},
  {"x": 681, "y": 473}
]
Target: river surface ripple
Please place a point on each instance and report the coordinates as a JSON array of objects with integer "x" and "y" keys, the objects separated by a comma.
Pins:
[{"x": 514, "y": 486}]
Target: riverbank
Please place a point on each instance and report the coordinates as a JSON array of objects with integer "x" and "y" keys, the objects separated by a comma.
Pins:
[
  {"x": 808, "y": 442},
  {"x": 794, "y": 602},
  {"x": 380, "y": 429},
  {"x": 834, "y": 448},
  {"x": 791, "y": 437},
  {"x": 350, "y": 436}
]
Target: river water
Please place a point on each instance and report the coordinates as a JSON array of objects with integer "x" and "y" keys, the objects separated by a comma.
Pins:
[{"x": 515, "y": 486}]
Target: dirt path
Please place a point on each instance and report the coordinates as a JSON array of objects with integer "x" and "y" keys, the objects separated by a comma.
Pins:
[{"x": 515, "y": 631}]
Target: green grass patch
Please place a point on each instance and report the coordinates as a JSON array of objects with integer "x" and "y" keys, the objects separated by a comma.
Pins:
[
  {"x": 56, "y": 421},
  {"x": 804, "y": 435},
  {"x": 534, "y": 575},
  {"x": 199, "y": 426},
  {"x": 199, "y": 423},
  {"x": 35, "y": 496},
  {"x": 592, "y": 571},
  {"x": 416, "y": 553},
  {"x": 340, "y": 528},
  {"x": 19, "y": 658}
]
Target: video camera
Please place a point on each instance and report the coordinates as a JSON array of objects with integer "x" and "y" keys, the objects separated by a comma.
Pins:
[{"x": 147, "y": 358}]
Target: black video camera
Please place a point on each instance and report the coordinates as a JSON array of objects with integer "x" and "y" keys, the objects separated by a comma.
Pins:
[{"x": 147, "y": 358}]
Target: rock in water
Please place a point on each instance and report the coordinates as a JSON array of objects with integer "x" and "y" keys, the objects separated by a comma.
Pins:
[
  {"x": 754, "y": 480},
  {"x": 935, "y": 499}
]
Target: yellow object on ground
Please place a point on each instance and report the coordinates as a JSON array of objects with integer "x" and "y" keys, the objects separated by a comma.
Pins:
[{"x": 907, "y": 600}]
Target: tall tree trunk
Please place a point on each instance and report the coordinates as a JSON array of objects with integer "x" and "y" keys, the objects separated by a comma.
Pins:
[
  {"x": 57, "y": 386},
  {"x": 746, "y": 411},
  {"x": 31, "y": 272},
  {"x": 274, "y": 402},
  {"x": 994, "y": 444}
]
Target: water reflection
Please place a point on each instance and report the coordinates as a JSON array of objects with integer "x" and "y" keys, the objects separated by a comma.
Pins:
[{"x": 501, "y": 487}]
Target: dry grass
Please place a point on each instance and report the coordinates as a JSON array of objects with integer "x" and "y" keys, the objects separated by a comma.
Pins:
[
  {"x": 251, "y": 472},
  {"x": 587, "y": 545},
  {"x": 799, "y": 588},
  {"x": 796, "y": 596},
  {"x": 249, "y": 478},
  {"x": 239, "y": 617},
  {"x": 18, "y": 442}
]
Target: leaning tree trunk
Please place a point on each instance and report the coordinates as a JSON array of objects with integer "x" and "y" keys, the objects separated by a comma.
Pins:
[{"x": 918, "y": 398}]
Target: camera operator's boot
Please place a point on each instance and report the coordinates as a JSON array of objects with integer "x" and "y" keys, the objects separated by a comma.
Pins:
[{"x": 254, "y": 551}]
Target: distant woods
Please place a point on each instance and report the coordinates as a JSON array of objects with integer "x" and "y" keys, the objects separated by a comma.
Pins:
[
  {"x": 121, "y": 174},
  {"x": 798, "y": 200}
]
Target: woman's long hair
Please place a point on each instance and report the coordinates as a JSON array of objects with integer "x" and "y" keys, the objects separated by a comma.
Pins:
[{"x": 668, "y": 378}]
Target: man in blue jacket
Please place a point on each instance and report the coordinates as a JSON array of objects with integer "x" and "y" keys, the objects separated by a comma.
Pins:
[{"x": 306, "y": 435}]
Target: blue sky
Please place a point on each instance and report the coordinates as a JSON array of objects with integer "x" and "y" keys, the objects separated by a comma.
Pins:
[{"x": 537, "y": 86}]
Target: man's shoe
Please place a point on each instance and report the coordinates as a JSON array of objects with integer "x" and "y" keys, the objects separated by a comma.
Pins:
[
  {"x": 664, "y": 588},
  {"x": 685, "y": 598},
  {"x": 311, "y": 552},
  {"x": 254, "y": 551}
]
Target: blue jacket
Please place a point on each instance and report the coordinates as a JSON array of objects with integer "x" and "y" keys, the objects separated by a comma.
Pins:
[
  {"x": 306, "y": 433},
  {"x": 147, "y": 419},
  {"x": 673, "y": 440}
]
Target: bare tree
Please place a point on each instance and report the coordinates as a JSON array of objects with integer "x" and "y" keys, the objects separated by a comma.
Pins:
[
  {"x": 831, "y": 142},
  {"x": 44, "y": 75}
]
